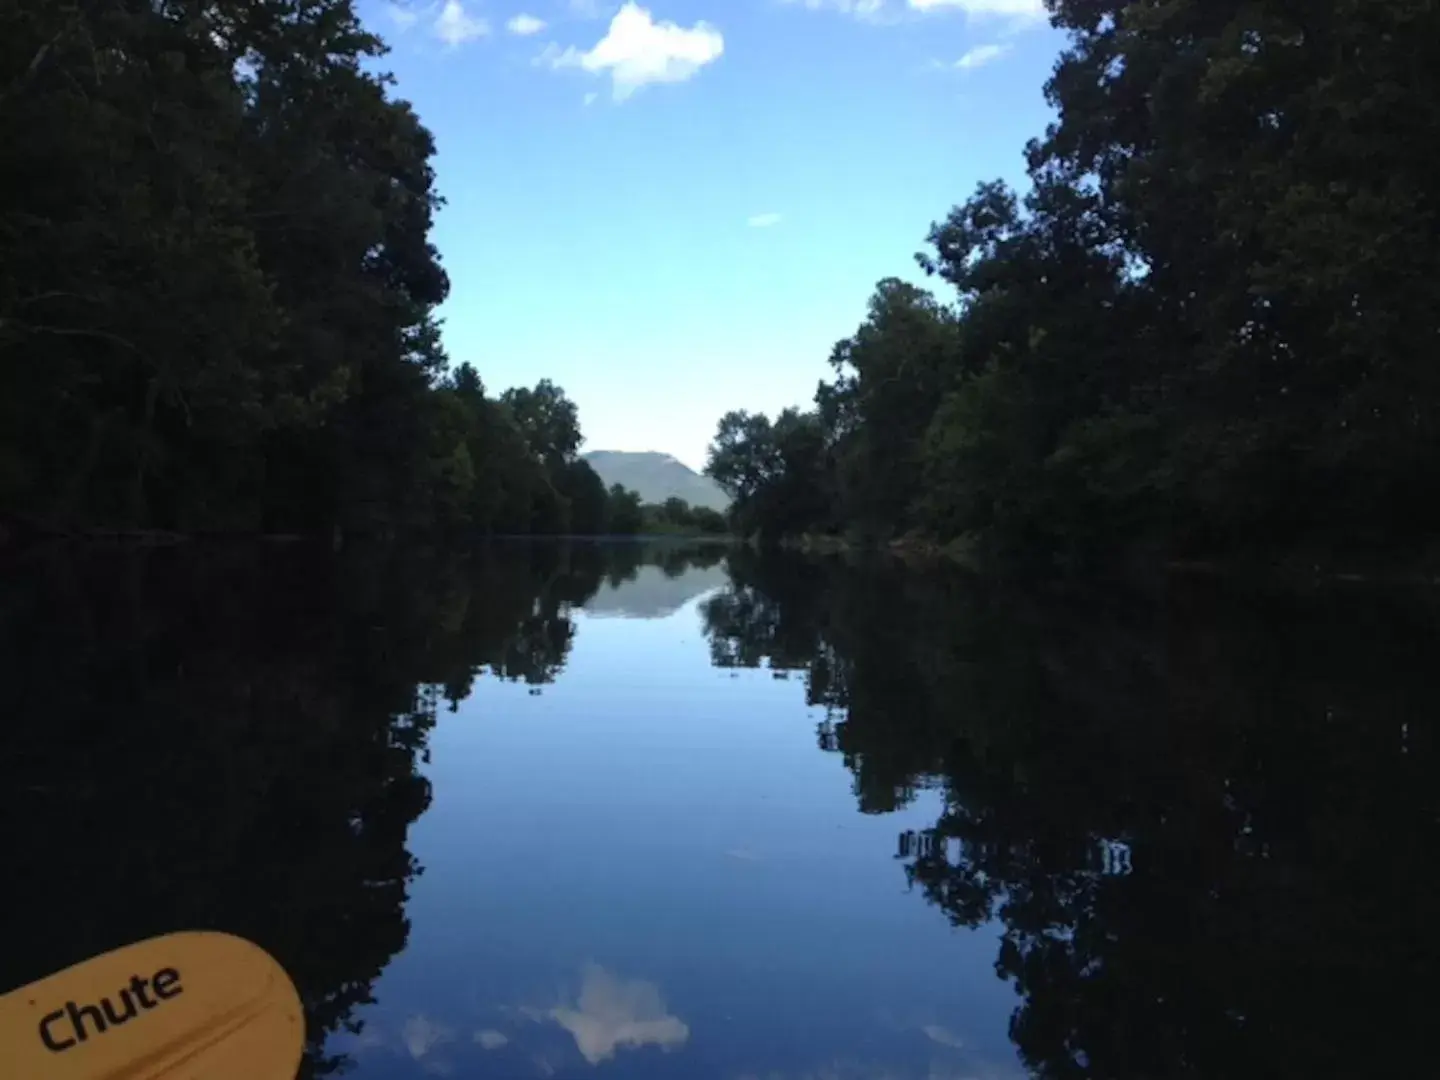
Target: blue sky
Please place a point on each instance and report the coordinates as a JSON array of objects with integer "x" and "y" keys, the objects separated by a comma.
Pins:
[{"x": 676, "y": 207}]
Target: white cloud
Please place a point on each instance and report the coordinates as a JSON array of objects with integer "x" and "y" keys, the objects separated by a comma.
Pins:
[
  {"x": 861, "y": 9},
  {"x": 403, "y": 17},
  {"x": 613, "y": 1013},
  {"x": 1023, "y": 10},
  {"x": 490, "y": 1039},
  {"x": 455, "y": 26},
  {"x": 637, "y": 51},
  {"x": 982, "y": 55},
  {"x": 1018, "y": 12},
  {"x": 525, "y": 25},
  {"x": 763, "y": 221}
]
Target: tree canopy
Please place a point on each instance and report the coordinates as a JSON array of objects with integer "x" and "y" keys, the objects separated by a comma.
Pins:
[
  {"x": 1206, "y": 324},
  {"x": 218, "y": 291}
]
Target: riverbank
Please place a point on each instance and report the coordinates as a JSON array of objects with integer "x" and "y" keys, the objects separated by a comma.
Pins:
[{"x": 1298, "y": 567}]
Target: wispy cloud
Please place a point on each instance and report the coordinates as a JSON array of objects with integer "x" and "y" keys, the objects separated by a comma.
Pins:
[
  {"x": 455, "y": 26},
  {"x": 403, "y": 17},
  {"x": 764, "y": 221},
  {"x": 490, "y": 1039},
  {"x": 982, "y": 55},
  {"x": 524, "y": 25},
  {"x": 1017, "y": 12},
  {"x": 1026, "y": 10},
  {"x": 591, "y": 98},
  {"x": 861, "y": 9},
  {"x": 590, "y": 9},
  {"x": 637, "y": 51}
]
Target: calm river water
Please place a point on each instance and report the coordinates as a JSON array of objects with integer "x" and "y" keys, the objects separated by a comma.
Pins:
[{"x": 658, "y": 812}]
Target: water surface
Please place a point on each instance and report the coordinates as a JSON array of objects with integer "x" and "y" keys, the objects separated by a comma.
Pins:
[{"x": 666, "y": 812}]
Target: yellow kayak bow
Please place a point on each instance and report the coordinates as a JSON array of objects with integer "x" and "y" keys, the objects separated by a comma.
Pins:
[{"x": 179, "y": 1006}]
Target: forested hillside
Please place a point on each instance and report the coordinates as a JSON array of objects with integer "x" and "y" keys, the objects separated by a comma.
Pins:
[
  {"x": 1208, "y": 325},
  {"x": 217, "y": 290},
  {"x": 656, "y": 477}
]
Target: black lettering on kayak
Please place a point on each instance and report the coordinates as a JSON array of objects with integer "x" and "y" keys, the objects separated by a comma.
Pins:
[{"x": 76, "y": 1023}]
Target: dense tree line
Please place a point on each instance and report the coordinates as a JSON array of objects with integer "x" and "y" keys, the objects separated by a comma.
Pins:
[
  {"x": 676, "y": 516},
  {"x": 1201, "y": 819},
  {"x": 218, "y": 294},
  {"x": 1208, "y": 324}
]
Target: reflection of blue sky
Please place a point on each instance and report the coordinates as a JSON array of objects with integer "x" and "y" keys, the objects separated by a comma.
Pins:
[
  {"x": 675, "y": 837},
  {"x": 610, "y": 1014},
  {"x": 652, "y": 595}
]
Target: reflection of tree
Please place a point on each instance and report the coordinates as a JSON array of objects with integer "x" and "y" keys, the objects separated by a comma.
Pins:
[
  {"x": 670, "y": 579},
  {"x": 676, "y": 559},
  {"x": 1187, "y": 843},
  {"x": 1207, "y": 825},
  {"x": 230, "y": 741},
  {"x": 765, "y": 615},
  {"x": 622, "y": 560}
]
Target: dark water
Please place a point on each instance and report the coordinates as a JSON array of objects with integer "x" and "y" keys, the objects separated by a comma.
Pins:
[{"x": 633, "y": 812}]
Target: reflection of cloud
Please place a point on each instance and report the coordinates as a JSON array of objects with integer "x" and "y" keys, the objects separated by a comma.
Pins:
[
  {"x": 421, "y": 1035},
  {"x": 943, "y": 1036},
  {"x": 840, "y": 1070},
  {"x": 862, "y": 1070},
  {"x": 490, "y": 1039},
  {"x": 614, "y": 1012}
]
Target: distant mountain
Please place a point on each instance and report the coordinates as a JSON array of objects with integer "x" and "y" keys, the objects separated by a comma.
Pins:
[
  {"x": 652, "y": 595},
  {"x": 656, "y": 477}
]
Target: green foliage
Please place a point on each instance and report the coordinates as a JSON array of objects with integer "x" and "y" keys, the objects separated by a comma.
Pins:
[
  {"x": 217, "y": 290},
  {"x": 589, "y": 502},
  {"x": 774, "y": 472},
  {"x": 548, "y": 419},
  {"x": 708, "y": 521},
  {"x": 1207, "y": 323},
  {"x": 676, "y": 517},
  {"x": 626, "y": 518}
]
